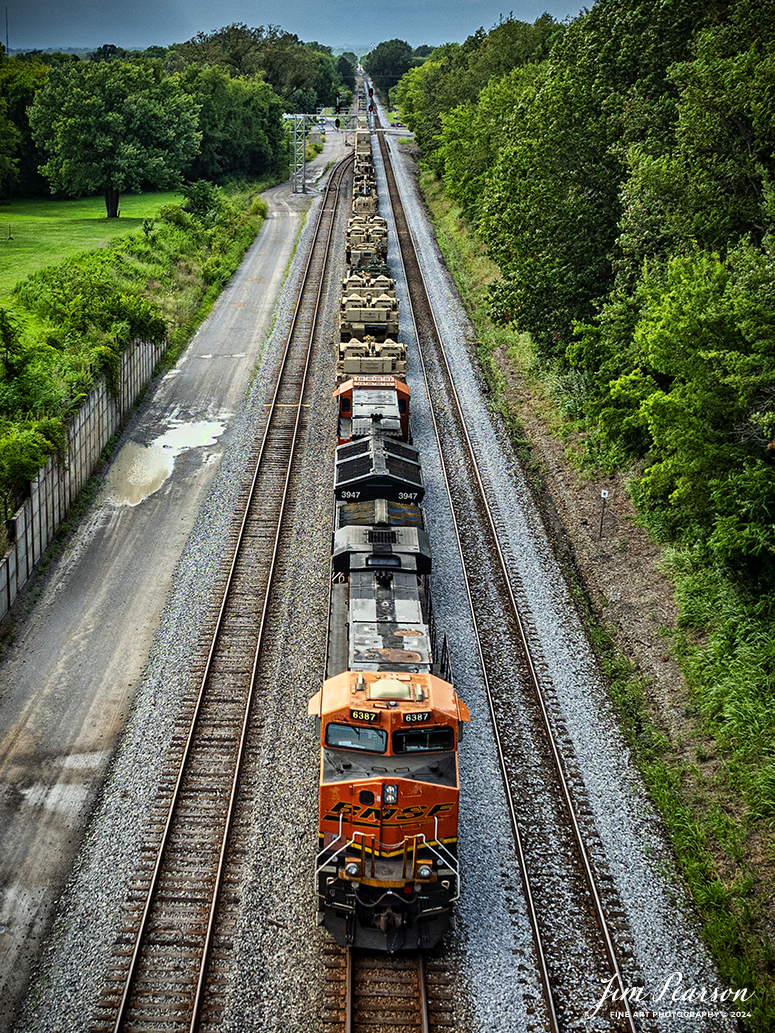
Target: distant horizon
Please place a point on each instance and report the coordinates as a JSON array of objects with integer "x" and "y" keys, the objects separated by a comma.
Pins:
[
  {"x": 357, "y": 48},
  {"x": 84, "y": 25}
]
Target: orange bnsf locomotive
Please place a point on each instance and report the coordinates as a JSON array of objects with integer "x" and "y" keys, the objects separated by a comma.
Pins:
[{"x": 386, "y": 873}]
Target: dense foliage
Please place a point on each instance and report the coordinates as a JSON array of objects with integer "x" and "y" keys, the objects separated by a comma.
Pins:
[
  {"x": 387, "y": 63},
  {"x": 240, "y": 119},
  {"x": 621, "y": 174},
  {"x": 234, "y": 82},
  {"x": 452, "y": 76}
]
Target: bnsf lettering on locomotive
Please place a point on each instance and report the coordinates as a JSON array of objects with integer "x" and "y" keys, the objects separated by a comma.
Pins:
[{"x": 398, "y": 815}]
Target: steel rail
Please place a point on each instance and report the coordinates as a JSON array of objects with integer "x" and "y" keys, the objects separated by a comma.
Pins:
[
  {"x": 349, "y": 991},
  {"x": 273, "y": 405},
  {"x": 272, "y": 565},
  {"x": 557, "y": 760},
  {"x": 425, "y": 1024},
  {"x": 518, "y": 842}
]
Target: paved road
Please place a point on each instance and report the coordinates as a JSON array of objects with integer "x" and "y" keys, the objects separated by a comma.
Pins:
[{"x": 67, "y": 682}]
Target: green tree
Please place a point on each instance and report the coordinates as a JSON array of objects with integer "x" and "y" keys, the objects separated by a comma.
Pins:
[
  {"x": 707, "y": 183},
  {"x": 113, "y": 126},
  {"x": 474, "y": 133},
  {"x": 550, "y": 212},
  {"x": 346, "y": 72},
  {"x": 241, "y": 124},
  {"x": 388, "y": 62},
  {"x": 698, "y": 384},
  {"x": 9, "y": 142},
  {"x": 19, "y": 82},
  {"x": 23, "y": 451},
  {"x": 236, "y": 48},
  {"x": 455, "y": 74},
  {"x": 108, "y": 52}
]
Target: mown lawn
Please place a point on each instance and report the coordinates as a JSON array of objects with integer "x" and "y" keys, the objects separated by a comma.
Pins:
[{"x": 34, "y": 234}]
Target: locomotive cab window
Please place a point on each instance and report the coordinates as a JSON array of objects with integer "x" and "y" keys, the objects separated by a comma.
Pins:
[
  {"x": 345, "y": 405},
  {"x": 438, "y": 737},
  {"x": 356, "y": 737}
]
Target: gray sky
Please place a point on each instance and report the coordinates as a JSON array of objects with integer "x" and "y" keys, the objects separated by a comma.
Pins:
[{"x": 41, "y": 24}]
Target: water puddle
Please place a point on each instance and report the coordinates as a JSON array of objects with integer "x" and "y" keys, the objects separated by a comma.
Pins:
[{"x": 140, "y": 470}]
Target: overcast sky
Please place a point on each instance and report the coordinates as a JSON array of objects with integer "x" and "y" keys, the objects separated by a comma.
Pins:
[{"x": 136, "y": 24}]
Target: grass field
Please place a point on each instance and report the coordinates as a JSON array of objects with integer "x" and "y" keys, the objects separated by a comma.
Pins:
[{"x": 34, "y": 234}]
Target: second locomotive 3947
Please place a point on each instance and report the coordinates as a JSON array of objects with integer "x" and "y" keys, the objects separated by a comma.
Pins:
[{"x": 386, "y": 873}]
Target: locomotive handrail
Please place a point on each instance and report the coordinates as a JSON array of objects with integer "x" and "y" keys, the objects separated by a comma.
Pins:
[
  {"x": 450, "y": 861},
  {"x": 328, "y": 860}
]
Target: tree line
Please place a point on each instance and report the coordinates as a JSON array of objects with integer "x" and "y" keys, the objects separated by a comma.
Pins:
[
  {"x": 620, "y": 171},
  {"x": 210, "y": 108}
]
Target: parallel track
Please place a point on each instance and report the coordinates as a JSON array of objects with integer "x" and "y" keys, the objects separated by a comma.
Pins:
[
  {"x": 161, "y": 978},
  {"x": 482, "y": 558}
]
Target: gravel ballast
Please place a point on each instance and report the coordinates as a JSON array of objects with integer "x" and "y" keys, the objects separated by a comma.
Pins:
[{"x": 277, "y": 984}]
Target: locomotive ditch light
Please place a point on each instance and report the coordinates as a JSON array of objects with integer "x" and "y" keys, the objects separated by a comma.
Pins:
[
  {"x": 353, "y": 869},
  {"x": 424, "y": 871},
  {"x": 390, "y": 794}
]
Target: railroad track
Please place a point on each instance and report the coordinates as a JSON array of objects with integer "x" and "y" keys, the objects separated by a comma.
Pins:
[
  {"x": 389, "y": 993},
  {"x": 170, "y": 968},
  {"x": 569, "y": 896}
]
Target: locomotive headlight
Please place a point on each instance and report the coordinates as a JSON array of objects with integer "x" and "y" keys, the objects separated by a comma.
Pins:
[
  {"x": 424, "y": 871},
  {"x": 353, "y": 869},
  {"x": 390, "y": 794}
]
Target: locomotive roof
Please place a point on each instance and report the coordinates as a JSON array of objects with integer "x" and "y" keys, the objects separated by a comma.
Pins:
[{"x": 359, "y": 689}]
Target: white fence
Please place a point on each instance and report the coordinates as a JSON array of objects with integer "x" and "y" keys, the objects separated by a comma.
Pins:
[{"x": 56, "y": 487}]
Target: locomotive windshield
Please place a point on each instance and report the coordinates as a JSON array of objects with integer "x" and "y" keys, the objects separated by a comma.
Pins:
[
  {"x": 356, "y": 737},
  {"x": 438, "y": 737}
]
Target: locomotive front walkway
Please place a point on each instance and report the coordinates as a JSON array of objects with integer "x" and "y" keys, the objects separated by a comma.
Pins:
[{"x": 68, "y": 680}]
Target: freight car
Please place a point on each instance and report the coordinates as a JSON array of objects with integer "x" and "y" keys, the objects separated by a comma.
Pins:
[{"x": 388, "y": 715}]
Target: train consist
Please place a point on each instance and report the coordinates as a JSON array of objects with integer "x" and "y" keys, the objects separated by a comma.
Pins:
[
  {"x": 368, "y": 314},
  {"x": 386, "y": 873}
]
